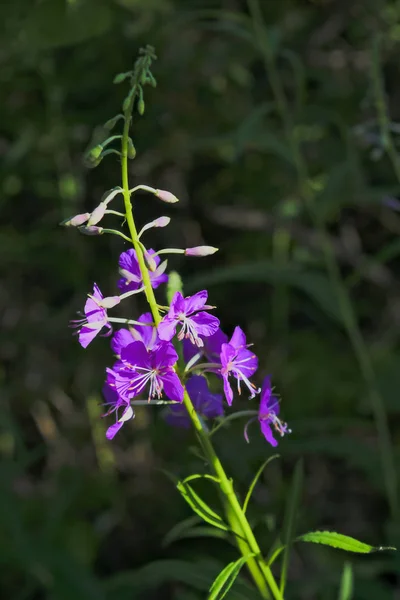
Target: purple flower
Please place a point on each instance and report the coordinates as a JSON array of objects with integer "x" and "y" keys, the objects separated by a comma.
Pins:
[
  {"x": 139, "y": 367},
  {"x": 268, "y": 414},
  {"x": 138, "y": 333},
  {"x": 114, "y": 403},
  {"x": 132, "y": 277},
  {"x": 238, "y": 361},
  {"x": 95, "y": 318},
  {"x": 211, "y": 347},
  {"x": 205, "y": 403},
  {"x": 185, "y": 312}
]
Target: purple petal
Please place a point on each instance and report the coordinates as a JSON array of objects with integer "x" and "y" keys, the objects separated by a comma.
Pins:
[
  {"x": 190, "y": 350},
  {"x": 227, "y": 354},
  {"x": 206, "y": 324},
  {"x": 136, "y": 355},
  {"x": 86, "y": 335},
  {"x": 173, "y": 387},
  {"x": 238, "y": 339},
  {"x": 166, "y": 328},
  {"x": 245, "y": 362},
  {"x": 164, "y": 356},
  {"x": 111, "y": 396},
  {"x": 214, "y": 343},
  {"x": 178, "y": 416},
  {"x": 146, "y": 333},
  {"x": 205, "y": 403},
  {"x": 228, "y": 391},
  {"x": 195, "y": 302},
  {"x": 157, "y": 280},
  {"x": 113, "y": 430},
  {"x": 177, "y": 305},
  {"x": 121, "y": 339},
  {"x": 267, "y": 433}
]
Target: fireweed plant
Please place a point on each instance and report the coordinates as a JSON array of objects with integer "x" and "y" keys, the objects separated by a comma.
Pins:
[{"x": 170, "y": 354}]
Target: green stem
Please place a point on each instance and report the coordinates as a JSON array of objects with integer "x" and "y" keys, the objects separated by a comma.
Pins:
[
  {"x": 247, "y": 544},
  {"x": 349, "y": 318}
]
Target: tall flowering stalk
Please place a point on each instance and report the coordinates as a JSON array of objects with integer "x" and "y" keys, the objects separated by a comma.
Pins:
[{"x": 147, "y": 363}]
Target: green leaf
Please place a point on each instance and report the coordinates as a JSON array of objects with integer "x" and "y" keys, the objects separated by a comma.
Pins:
[
  {"x": 290, "y": 519},
  {"x": 200, "y": 507},
  {"x": 196, "y": 532},
  {"x": 198, "y": 574},
  {"x": 343, "y": 542},
  {"x": 346, "y": 584},
  {"x": 256, "y": 478},
  {"x": 335, "y": 540},
  {"x": 226, "y": 579}
]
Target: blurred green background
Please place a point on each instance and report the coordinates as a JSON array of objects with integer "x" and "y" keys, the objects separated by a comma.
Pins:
[{"x": 280, "y": 139}]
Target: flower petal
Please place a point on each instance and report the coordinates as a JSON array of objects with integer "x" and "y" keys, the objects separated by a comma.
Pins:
[
  {"x": 267, "y": 432},
  {"x": 228, "y": 391},
  {"x": 238, "y": 339},
  {"x": 113, "y": 430},
  {"x": 195, "y": 302},
  {"x": 164, "y": 355},
  {"x": 206, "y": 324},
  {"x": 172, "y": 386},
  {"x": 136, "y": 354},
  {"x": 86, "y": 335},
  {"x": 121, "y": 339},
  {"x": 166, "y": 328}
]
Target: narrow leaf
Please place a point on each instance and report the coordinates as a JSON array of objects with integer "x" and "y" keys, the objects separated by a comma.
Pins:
[
  {"x": 200, "y": 507},
  {"x": 196, "y": 532},
  {"x": 256, "y": 478},
  {"x": 346, "y": 584},
  {"x": 226, "y": 579},
  {"x": 290, "y": 519},
  {"x": 343, "y": 542}
]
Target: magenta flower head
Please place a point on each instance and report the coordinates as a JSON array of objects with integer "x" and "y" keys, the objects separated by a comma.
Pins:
[
  {"x": 139, "y": 367},
  {"x": 188, "y": 313},
  {"x": 115, "y": 404},
  {"x": 131, "y": 275},
  {"x": 268, "y": 414},
  {"x": 238, "y": 361},
  {"x": 205, "y": 403},
  {"x": 145, "y": 333},
  {"x": 95, "y": 317}
]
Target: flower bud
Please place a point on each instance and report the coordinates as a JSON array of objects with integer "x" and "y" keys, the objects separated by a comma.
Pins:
[
  {"x": 97, "y": 214},
  {"x": 95, "y": 152},
  {"x": 111, "y": 123},
  {"x": 150, "y": 261},
  {"x": 75, "y": 221},
  {"x": 131, "y": 149},
  {"x": 91, "y": 230},
  {"x": 140, "y": 106},
  {"x": 200, "y": 251},
  {"x": 161, "y": 222},
  {"x": 166, "y": 196},
  {"x": 120, "y": 77},
  {"x": 109, "y": 302}
]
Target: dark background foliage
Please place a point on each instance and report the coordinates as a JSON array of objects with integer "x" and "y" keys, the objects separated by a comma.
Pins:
[{"x": 82, "y": 518}]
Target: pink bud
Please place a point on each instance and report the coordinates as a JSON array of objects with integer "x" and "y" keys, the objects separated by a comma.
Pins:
[
  {"x": 150, "y": 261},
  {"x": 75, "y": 221},
  {"x": 200, "y": 251},
  {"x": 91, "y": 230},
  {"x": 166, "y": 196},
  {"x": 161, "y": 222},
  {"x": 109, "y": 302},
  {"x": 97, "y": 214}
]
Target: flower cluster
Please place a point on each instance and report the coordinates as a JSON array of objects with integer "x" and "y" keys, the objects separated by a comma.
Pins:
[{"x": 147, "y": 362}]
